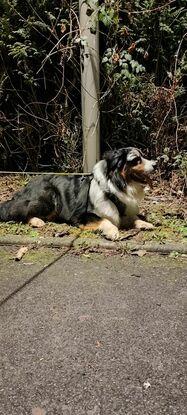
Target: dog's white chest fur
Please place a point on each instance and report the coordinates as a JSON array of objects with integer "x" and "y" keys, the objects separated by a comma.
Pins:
[
  {"x": 134, "y": 194},
  {"x": 103, "y": 206}
]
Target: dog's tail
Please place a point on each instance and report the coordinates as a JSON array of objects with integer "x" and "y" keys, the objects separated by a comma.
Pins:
[
  {"x": 4, "y": 211},
  {"x": 13, "y": 210}
]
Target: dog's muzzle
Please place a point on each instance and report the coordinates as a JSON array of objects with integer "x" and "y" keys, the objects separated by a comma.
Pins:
[{"x": 149, "y": 165}]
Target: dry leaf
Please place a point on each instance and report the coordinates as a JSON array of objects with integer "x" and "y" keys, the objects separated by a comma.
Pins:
[
  {"x": 38, "y": 411},
  {"x": 22, "y": 251},
  {"x": 146, "y": 385},
  {"x": 136, "y": 275},
  {"x": 140, "y": 252},
  {"x": 61, "y": 234},
  {"x": 63, "y": 28},
  {"x": 129, "y": 234},
  {"x": 132, "y": 47},
  {"x": 86, "y": 255},
  {"x": 115, "y": 57}
]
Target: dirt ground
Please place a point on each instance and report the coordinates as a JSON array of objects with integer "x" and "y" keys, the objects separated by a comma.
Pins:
[{"x": 164, "y": 206}]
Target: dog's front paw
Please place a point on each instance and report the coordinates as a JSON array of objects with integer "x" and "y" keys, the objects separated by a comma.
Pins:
[
  {"x": 141, "y": 224},
  {"x": 109, "y": 230},
  {"x": 112, "y": 235}
]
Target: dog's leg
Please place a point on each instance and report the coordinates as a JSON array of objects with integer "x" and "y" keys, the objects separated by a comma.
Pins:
[
  {"x": 109, "y": 230},
  {"x": 141, "y": 224},
  {"x": 91, "y": 226},
  {"x": 36, "y": 222}
]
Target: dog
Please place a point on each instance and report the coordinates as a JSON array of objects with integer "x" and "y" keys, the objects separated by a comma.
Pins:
[{"x": 110, "y": 196}]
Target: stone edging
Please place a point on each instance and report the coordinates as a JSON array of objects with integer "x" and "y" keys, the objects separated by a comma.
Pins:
[{"x": 74, "y": 242}]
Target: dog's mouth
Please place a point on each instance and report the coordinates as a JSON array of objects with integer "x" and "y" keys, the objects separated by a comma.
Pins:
[
  {"x": 142, "y": 178},
  {"x": 139, "y": 170},
  {"x": 137, "y": 175}
]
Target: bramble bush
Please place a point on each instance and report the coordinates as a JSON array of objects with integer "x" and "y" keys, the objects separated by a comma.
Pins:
[
  {"x": 143, "y": 81},
  {"x": 40, "y": 86}
]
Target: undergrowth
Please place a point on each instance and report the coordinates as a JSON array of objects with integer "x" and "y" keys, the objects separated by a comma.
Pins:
[{"x": 143, "y": 65}]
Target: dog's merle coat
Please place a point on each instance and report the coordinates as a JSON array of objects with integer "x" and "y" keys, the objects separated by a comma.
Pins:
[
  {"x": 111, "y": 193},
  {"x": 61, "y": 198}
]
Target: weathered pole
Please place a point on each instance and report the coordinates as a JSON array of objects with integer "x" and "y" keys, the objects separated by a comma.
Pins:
[{"x": 89, "y": 38}]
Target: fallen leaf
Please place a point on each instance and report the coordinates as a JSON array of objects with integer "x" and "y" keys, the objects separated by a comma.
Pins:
[
  {"x": 136, "y": 275},
  {"x": 38, "y": 411},
  {"x": 22, "y": 251},
  {"x": 140, "y": 252},
  {"x": 129, "y": 234},
  {"x": 86, "y": 255},
  {"x": 146, "y": 385},
  {"x": 98, "y": 344},
  {"x": 61, "y": 234}
]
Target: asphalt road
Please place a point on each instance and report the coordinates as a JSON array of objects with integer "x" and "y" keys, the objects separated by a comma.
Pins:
[{"x": 93, "y": 335}]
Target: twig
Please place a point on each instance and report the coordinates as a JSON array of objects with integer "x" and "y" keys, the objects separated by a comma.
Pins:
[
  {"x": 174, "y": 85},
  {"x": 156, "y": 9},
  {"x": 54, "y": 47},
  {"x": 163, "y": 121}
]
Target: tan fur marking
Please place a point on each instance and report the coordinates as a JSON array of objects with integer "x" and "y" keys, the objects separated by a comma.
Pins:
[
  {"x": 137, "y": 173},
  {"x": 123, "y": 173},
  {"x": 109, "y": 230},
  {"x": 139, "y": 168},
  {"x": 91, "y": 226}
]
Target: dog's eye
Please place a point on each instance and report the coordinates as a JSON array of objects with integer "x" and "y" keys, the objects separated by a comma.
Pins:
[{"x": 135, "y": 161}]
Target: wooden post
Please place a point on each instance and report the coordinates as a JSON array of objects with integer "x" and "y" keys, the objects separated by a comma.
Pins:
[{"x": 89, "y": 35}]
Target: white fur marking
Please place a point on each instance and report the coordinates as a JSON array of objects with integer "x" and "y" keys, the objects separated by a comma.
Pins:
[
  {"x": 103, "y": 207},
  {"x": 109, "y": 230},
  {"x": 148, "y": 165},
  {"x": 36, "y": 222},
  {"x": 141, "y": 224}
]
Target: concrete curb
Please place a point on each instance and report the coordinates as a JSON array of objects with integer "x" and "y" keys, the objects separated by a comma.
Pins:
[
  {"x": 52, "y": 242},
  {"x": 74, "y": 242}
]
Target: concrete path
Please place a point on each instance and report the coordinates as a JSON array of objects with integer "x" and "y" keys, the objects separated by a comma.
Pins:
[{"x": 93, "y": 335}]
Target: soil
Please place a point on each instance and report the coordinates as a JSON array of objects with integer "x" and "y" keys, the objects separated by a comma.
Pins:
[{"x": 164, "y": 207}]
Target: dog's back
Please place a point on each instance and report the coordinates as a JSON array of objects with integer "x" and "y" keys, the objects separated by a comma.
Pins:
[{"x": 50, "y": 197}]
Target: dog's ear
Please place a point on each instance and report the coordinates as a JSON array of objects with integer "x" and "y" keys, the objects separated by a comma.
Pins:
[
  {"x": 131, "y": 156},
  {"x": 115, "y": 158},
  {"x": 133, "y": 153},
  {"x": 116, "y": 161}
]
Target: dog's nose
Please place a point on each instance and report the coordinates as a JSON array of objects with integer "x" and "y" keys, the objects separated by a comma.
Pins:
[{"x": 154, "y": 163}]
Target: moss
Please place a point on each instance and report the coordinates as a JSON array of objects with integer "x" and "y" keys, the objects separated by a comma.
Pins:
[
  {"x": 166, "y": 216},
  {"x": 41, "y": 255},
  {"x": 17, "y": 229},
  {"x": 5, "y": 254}
]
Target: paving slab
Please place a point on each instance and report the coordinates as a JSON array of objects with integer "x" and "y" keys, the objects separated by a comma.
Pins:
[
  {"x": 14, "y": 274},
  {"x": 96, "y": 335}
]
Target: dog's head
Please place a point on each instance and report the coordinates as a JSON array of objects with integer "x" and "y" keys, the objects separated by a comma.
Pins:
[{"x": 127, "y": 165}]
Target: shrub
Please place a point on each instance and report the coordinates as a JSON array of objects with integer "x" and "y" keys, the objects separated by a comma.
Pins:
[{"x": 143, "y": 81}]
